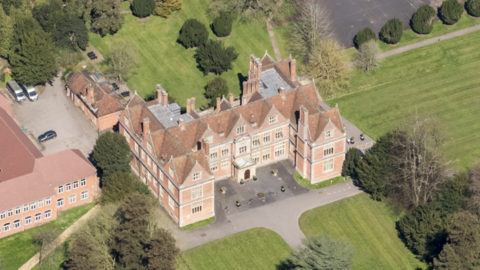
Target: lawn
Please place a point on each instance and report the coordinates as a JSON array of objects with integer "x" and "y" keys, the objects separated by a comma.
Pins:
[
  {"x": 306, "y": 183},
  {"x": 366, "y": 224},
  {"x": 163, "y": 61},
  {"x": 199, "y": 224},
  {"x": 17, "y": 249},
  {"x": 440, "y": 79},
  {"x": 257, "y": 248}
]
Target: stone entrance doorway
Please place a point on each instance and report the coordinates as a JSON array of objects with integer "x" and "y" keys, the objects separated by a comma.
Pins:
[{"x": 247, "y": 174}]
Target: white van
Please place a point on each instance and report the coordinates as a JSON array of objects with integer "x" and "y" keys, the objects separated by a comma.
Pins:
[
  {"x": 30, "y": 92},
  {"x": 16, "y": 90}
]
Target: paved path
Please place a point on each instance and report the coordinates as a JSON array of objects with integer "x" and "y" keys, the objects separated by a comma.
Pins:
[
  {"x": 60, "y": 239},
  {"x": 280, "y": 217},
  {"x": 271, "y": 33},
  {"x": 423, "y": 43}
]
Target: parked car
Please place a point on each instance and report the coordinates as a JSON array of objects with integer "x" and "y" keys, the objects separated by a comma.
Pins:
[
  {"x": 47, "y": 136},
  {"x": 30, "y": 92},
  {"x": 16, "y": 90}
]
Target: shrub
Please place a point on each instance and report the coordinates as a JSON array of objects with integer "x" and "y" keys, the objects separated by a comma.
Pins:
[
  {"x": 143, "y": 8},
  {"x": 391, "y": 32},
  {"x": 422, "y": 21},
  {"x": 216, "y": 88},
  {"x": 121, "y": 185},
  {"x": 222, "y": 25},
  {"x": 193, "y": 34},
  {"x": 166, "y": 7},
  {"x": 367, "y": 55},
  {"x": 451, "y": 11},
  {"x": 363, "y": 36},
  {"x": 213, "y": 57},
  {"x": 7, "y": 77},
  {"x": 473, "y": 7},
  {"x": 351, "y": 162}
]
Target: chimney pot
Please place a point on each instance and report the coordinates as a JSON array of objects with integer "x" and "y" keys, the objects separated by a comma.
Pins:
[
  {"x": 165, "y": 98},
  {"x": 218, "y": 104},
  {"x": 188, "y": 105},
  {"x": 192, "y": 104},
  {"x": 293, "y": 70},
  {"x": 231, "y": 98}
]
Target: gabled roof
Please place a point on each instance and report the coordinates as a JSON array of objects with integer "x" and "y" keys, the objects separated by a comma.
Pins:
[
  {"x": 316, "y": 124},
  {"x": 185, "y": 164},
  {"x": 334, "y": 116},
  {"x": 137, "y": 114},
  {"x": 135, "y": 100},
  {"x": 166, "y": 146},
  {"x": 254, "y": 112},
  {"x": 225, "y": 105},
  {"x": 289, "y": 104},
  {"x": 189, "y": 135},
  {"x": 222, "y": 122},
  {"x": 311, "y": 93}
]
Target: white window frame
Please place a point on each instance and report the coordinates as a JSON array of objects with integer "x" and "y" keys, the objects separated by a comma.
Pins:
[
  {"x": 3, "y": 215},
  {"x": 18, "y": 210},
  {"x": 60, "y": 189},
  {"x": 161, "y": 192},
  {"x": 40, "y": 203},
  {"x": 328, "y": 165},
  {"x": 272, "y": 120},
  {"x": 266, "y": 154},
  {"x": 214, "y": 154},
  {"x": 47, "y": 214},
  {"x": 329, "y": 134},
  {"x": 329, "y": 149},
  {"x": 72, "y": 198},
  {"x": 240, "y": 130},
  {"x": 48, "y": 201},
  {"x": 197, "y": 207},
  {"x": 266, "y": 137},
  {"x": 214, "y": 167},
  {"x": 149, "y": 147},
  {"x": 197, "y": 192},
  {"x": 225, "y": 164},
  {"x": 136, "y": 147},
  {"x": 33, "y": 205},
  {"x": 61, "y": 202},
  {"x": 6, "y": 227},
  {"x": 25, "y": 208},
  {"x": 279, "y": 133},
  {"x": 225, "y": 150},
  {"x": 279, "y": 150},
  {"x": 171, "y": 202},
  {"x": 197, "y": 176},
  {"x": 256, "y": 156},
  {"x": 28, "y": 220},
  {"x": 83, "y": 182},
  {"x": 256, "y": 140},
  {"x": 37, "y": 217},
  {"x": 127, "y": 136},
  {"x": 171, "y": 186},
  {"x": 10, "y": 213},
  {"x": 75, "y": 185},
  {"x": 68, "y": 187},
  {"x": 17, "y": 224},
  {"x": 84, "y": 195}
]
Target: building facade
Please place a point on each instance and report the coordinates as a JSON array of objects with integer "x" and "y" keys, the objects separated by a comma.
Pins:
[
  {"x": 35, "y": 188},
  {"x": 277, "y": 118}
]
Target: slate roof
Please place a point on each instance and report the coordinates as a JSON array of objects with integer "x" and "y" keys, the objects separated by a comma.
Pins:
[{"x": 270, "y": 82}]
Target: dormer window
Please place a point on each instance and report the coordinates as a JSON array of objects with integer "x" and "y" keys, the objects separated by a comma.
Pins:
[
  {"x": 328, "y": 134},
  {"x": 272, "y": 120},
  {"x": 222, "y": 134},
  {"x": 240, "y": 130},
  {"x": 254, "y": 124}
]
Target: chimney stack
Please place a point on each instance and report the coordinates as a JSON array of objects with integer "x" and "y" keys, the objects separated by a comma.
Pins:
[
  {"x": 181, "y": 123},
  {"x": 205, "y": 146},
  {"x": 218, "y": 104},
  {"x": 165, "y": 98},
  {"x": 188, "y": 105},
  {"x": 146, "y": 127},
  {"x": 231, "y": 99},
  {"x": 159, "y": 93},
  {"x": 293, "y": 70},
  {"x": 281, "y": 90},
  {"x": 90, "y": 93},
  {"x": 304, "y": 115},
  {"x": 192, "y": 104}
]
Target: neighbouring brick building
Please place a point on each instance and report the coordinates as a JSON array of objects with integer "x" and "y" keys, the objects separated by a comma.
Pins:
[
  {"x": 181, "y": 155},
  {"x": 97, "y": 101},
  {"x": 35, "y": 188}
]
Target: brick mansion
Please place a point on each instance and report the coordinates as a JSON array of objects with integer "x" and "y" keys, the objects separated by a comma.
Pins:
[{"x": 276, "y": 118}]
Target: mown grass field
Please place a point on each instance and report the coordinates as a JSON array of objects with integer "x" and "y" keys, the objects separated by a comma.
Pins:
[
  {"x": 253, "y": 249},
  {"x": 440, "y": 79},
  {"x": 163, "y": 61},
  {"x": 369, "y": 226},
  {"x": 17, "y": 249}
]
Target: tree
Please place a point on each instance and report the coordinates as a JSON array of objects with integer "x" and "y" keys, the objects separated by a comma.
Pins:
[
  {"x": 32, "y": 58},
  {"x": 106, "y": 17},
  {"x": 213, "y": 57},
  {"x": 166, "y": 7},
  {"x": 363, "y": 36},
  {"x": 453, "y": 193},
  {"x": 392, "y": 31},
  {"x": 371, "y": 174},
  {"x": 311, "y": 27},
  {"x": 84, "y": 254},
  {"x": 473, "y": 189},
  {"x": 131, "y": 235},
  {"x": 327, "y": 67},
  {"x": 423, "y": 231},
  {"x": 216, "y": 88},
  {"x": 44, "y": 241},
  {"x": 49, "y": 15},
  {"x": 122, "y": 60},
  {"x": 351, "y": 163},
  {"x": 451, "y": 11},
  {"x": 111, "y": 154},
  {"x": 473, "y": 7},
  {"x": 417, "y": 162},
  {"x": 6, "y": 32},
  {"x": 78, "y": 8},
  {"x": 367, "y": 56},
  {"x": 422, "y": 20},
  {"x": 160, "y": 252},
  {"x": 193, "y": 34},
  {"x": 8, "y": 4},
  {"x": 222, "y": 24},
  {"x": 463, "y": 244},
  {"x": 72, "y": 34},
  {"x": 120, "y": 185},
  {"x": 246, "y": 10},
  {"x": 143, "y": 8},
  {"x": 322, "y": 253}
]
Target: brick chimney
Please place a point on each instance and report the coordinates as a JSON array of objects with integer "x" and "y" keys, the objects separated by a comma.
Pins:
[
  {"x": 181, "y": 123},
  {"x": 90, "y": 96},
  {"x": 146, "y": 127},
  {"x": 281, "y": 91},
  {"x": 205, "y": 146},
  {"x": 230, "y": 99},
  {"x": 159, "y": 93},
  {"x": 165, "y": 98},
  {"x": 188, "y": 106},
  {"x": 192, "y": 104},
  {"x": 218, "y": 104},
  {"x": 304, "y": 115},
  {"x": 293, "y": 70},
  {"x": 255, "y": 68}
]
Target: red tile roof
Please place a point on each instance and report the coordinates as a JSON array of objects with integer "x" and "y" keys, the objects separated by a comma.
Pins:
[
  {"x": 255, "y": 111},
  {"x": 5, "y": 104},
  {"x": 222, "y": 122},
  {"x": 189, "y": 135}
]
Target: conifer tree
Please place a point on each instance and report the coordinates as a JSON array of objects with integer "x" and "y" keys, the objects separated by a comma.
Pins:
[
  {"x": 72, "y": 34},
  {"x": 364, "y": 36},
  {"x": 351, "y": 162},
  {"x": 451, "y": 11},
  {"x": 222, "y": 24},
  {"x": 473, "y": 7},
  {"x": 217, "y": 87},
  {"x": 371, "y": 174},
  {"x": 213, "y": 57},
  {"x": 422, "y": 21},
  {"x": 106, "y": 16},
  {"x": 6, "y": 33},
  {"x": 193, "y": 34},
  {"x": 161, "y": 252},
  {"x": 143, "y": 8},
  {"x": 391, "y": 32}
]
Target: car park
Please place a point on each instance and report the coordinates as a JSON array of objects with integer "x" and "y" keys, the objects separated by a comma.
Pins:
[
  {"x": 16, "y": 90},
  {"x": 30, "y": 92},
  {"x": 47, "y": 136}
]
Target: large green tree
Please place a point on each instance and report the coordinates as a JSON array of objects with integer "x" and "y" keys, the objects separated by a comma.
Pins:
[
  {"x": 106, "y": 17},
  {"x": 462, "y": 249},
  {"x": 363, "y": 36},
  {"x": 453, "y": 194},
  {"x": 351, "y": 163},
  {"x": 6, "y": 32},
  {"x": 222, "y": 24},
  {"x": 392, "y": 31},
  {"x": 8, "y": 4},
  {"x": 120, "y": 185},
  {"x": 79, "y": 8},
  {"x": 193, "y": 34},
  {"x": 451, "y": 11},
  {"x": 473, "y": 7},
  {"x": 143, "y": 8},
  {"x": 49, "y": 15},
  {"x": 72, "y": 34},
  {"x": 371, "y": 176},
  {"x": 246, "y": 10},
  {"x": 161, "y": 251},
  {"x": 322, "y": 253},
  {"x": 213, "y": 57},
  {"x": 32, "y": 53},
  {"x": 111, "y": 154},
  {"x": 422, "y": 20},
  {"x": 217, "y": 87}
]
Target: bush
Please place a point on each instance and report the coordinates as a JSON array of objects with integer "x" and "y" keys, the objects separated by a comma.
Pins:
[
  {"x": 7, "y": 77},
  {"x": 422, "y": 21},
  {"x": 121, "y": 185},
  {"x": 222, "y": 25},
  {"x": 351, "y": 162},
  {"x": 367, "y": 56},
  {"x": 473, "y": 7},
  {"x": 391, "y": 32},
  {"x": 143, "y": 8},
  {"x": 216, "y": 88},
  {"x": 167, "y": 7},
  {"x": 451, "y": 11},
  {"x": 363, "y": 36},
  {"x": 193, "y": 34},
  {"x": 213, "y": 57}
]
